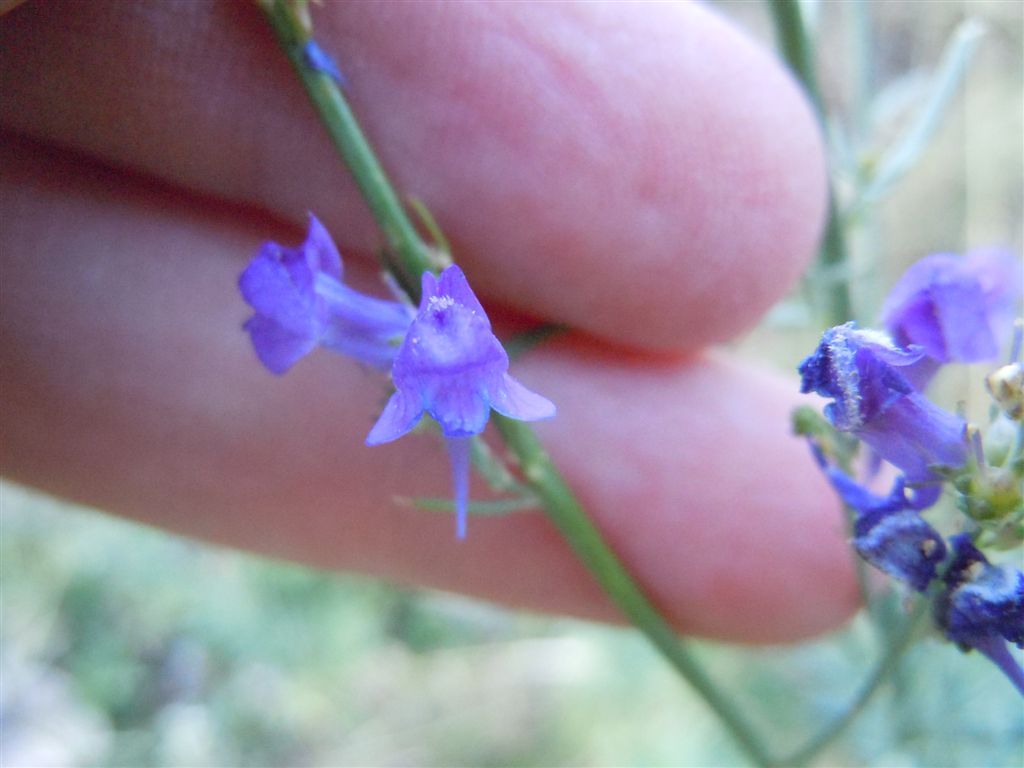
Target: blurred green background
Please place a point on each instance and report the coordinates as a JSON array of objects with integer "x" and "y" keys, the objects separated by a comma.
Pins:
[{"x": 121, "y": 645}]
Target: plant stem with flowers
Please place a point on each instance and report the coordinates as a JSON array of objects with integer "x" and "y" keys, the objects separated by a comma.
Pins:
[
  {"x": 445, "y": 362},
  {"x": 408, "y": 257}
]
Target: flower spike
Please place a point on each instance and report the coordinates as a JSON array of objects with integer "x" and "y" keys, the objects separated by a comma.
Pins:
[
  {"x": 451, "y": 366},
  {"x": 958, "y": 309},
  {"x": 301, "y": 303}
]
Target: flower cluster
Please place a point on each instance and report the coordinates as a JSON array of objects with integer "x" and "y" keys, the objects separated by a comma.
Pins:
[
  {"x": 444, "y": 358},
  {"x": 945, "y": 309}
]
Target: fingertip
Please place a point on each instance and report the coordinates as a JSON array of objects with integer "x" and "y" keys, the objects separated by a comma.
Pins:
[
  {"x": 691, "y": 471},
  {"x": 648, "y": 174}
]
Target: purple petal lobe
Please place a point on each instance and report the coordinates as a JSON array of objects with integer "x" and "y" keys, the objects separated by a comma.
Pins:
[
  {"x": 460, "y": 408},
  {"x": 959, "y": 309},
  {"x": 453, "y": 283},
  {"x": 270, "y": 288},
  {"x": 514, "y": 400},
  {"x": 998, "y": 652},
  {"x": 277, "y": 348},
  {"x": 320, "y": 252},
  {"x": 400, "y": 415}
]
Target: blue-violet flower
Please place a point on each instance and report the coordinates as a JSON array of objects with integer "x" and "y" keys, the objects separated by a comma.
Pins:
[
  {"x": 318, "y": 59},
  {"x": 300, "y": 303},
  {"x": 958, "y": 309},
  {"x": 451, "y": 366},
  {"x": 888, "y": 531},
  {"x": 860, "y": 371},
  {"x": 982, "y": 607}
]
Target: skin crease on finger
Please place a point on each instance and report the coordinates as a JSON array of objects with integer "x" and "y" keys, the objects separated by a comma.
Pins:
[
  {"x": 128, "y": 385},
  {"x": 529, "y": 129}
]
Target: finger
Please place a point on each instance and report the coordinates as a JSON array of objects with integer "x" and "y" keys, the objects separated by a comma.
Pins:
[
  {"x": 129, "y": 385},
  {"x": 643, "y": 172}
]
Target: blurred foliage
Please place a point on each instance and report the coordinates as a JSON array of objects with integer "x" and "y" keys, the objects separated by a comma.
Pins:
[{"x": 122, "y": 645}]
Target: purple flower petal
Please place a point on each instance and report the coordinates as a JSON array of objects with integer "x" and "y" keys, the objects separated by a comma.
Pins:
[
  {"x": 981, "y": 597},
  {"x": 957, "y": 308},
  {"x": 269, "y": 286},
  {"x": 277, "y": 347},
  {"x": 320, "y": 252},
  {"x": 514, "y": 400},
  {"x": 998, "y": 652},
  {"x": 360, "y": 326},
  {"x": 914, "y": 434},
  {"x": 861, "y": 371},
  {"x": 453, "y": 283},
  {"x": 400, "y": 415},
  {"x": 982, "y": 607},
  {"x": 300, "y": 303},
  {"x": 460, "y": 408}
]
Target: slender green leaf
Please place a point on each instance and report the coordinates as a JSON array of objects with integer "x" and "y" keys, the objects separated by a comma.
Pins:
[
  {"x": 487, "y": 508},
  {"x": 904, "y": 152}
]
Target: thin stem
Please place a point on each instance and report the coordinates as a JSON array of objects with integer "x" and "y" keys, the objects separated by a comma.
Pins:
[
  {"x": 585, "y": 539},
  {"x": 414, "y": 257},
  {"x": 898, "y": 645},
  {"x": 796, "y": 49},
  {"x": 523, "y": 342}
]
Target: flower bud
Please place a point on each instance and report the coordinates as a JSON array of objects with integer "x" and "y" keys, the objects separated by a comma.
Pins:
[{"x": 1006, "y": 385}]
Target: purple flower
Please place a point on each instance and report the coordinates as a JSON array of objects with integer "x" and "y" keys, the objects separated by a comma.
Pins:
[
  {"x": 300, "y": 303},
  {"x": 316, "y": 58},
  {"x": 958, "y": 309},
  {"x": 861, "y": 371},
  {"x": 452, "y": 367},
  {"x": 444, "y": 360},
  {"x": 982, "y": 607},
  {"x": 888, "y": 531}
]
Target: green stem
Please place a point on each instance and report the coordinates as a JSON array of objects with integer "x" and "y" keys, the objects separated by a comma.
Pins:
[
  {"x": 413, "y": 255},
  {"x": 567, "y": 514},
  {"x": 559, "y": 502},
  {"x": 796, "y": 49},
  {"x": 897, "y": 647},
  {"x": 523, "y": 342}
]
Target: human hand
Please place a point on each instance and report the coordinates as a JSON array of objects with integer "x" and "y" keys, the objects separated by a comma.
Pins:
[{"x": 642, "y": 173}]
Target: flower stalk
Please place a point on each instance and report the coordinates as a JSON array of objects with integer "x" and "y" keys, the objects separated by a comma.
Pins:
[
  {"x": 413, "y": 256},
  {"x": 832, "y": 259},
  {"x": 898, "y": 643}
]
